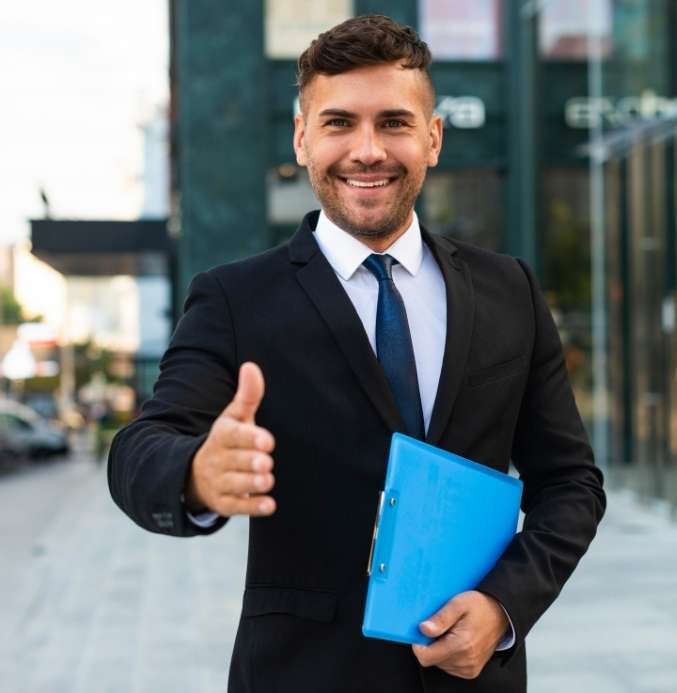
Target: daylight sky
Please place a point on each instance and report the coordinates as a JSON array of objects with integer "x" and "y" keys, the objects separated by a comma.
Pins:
[{"x": 77, "y": 78}]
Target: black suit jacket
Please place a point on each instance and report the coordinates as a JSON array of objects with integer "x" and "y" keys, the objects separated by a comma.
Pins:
[{"x": 503, "y": 394}]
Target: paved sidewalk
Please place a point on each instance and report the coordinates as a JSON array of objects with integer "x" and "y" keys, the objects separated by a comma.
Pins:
[
  {"x": 614, "y": 627},
  {"x": 93, "y": 604}
]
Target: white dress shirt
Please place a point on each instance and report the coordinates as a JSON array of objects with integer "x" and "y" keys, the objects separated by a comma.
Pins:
[
  {"x": 419, "y": 280},
  {"x": 420, "y": 283}
]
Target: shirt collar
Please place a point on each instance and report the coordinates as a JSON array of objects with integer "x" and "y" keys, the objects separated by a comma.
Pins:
[{"x": 345, "y": 253}]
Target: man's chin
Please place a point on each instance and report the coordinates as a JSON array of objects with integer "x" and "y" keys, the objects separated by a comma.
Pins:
[
  {"x": 366, "y": 226},
  {"x": 377, "y": 232}
]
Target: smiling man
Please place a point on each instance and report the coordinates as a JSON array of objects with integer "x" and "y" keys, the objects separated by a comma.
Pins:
[
  {"x": 289, "y": 372},
  {"x": 367, "y": 137}
]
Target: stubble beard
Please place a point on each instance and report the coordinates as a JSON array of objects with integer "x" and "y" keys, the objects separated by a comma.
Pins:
[{"x": 388, "y": 223}]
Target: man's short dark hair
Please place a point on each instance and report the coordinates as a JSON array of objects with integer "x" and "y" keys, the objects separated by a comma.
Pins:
[{"x": 361, "y": 41}]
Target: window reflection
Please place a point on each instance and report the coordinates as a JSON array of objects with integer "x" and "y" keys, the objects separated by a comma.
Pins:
[
  {"x": 632, "y": 28},
  {"x": 570, "y": 28},
  {"x": 461, "y": 29},
  {"x": 292, "y": 24},
  {"x": 566, "y": 273},
  {"x": 467, "y": 205},
  {"x": 289, "y": 194}
]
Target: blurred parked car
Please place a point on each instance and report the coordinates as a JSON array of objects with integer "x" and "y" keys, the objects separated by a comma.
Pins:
[
  {"x": 45, "y": 405},
  {"x": 23, "y": 433},
  {"x": 42, "y": 403}
]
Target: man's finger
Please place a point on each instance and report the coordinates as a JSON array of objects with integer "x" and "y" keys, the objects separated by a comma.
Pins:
[
  {"x": 240, "y": 483},
  {"x": 230, "y": 433},
  {"x": 256, "y": 506},
  {"x": 250, "y": 389},
  {"x": 249, "y": 461},
  {"x": 445, "y": 618}
]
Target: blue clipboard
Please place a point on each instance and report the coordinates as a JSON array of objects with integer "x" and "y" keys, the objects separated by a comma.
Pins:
[{"x": 442, "y": 523}]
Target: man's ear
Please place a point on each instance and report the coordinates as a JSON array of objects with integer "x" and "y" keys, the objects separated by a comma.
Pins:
[
  {"x": 436, "y": 133},
  {"x": 299, "y": 134}
]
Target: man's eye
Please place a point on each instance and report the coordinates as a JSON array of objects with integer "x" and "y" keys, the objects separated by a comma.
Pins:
[
  {"x": 393, "y": 123},
  {"x": 338, "y": 122}
]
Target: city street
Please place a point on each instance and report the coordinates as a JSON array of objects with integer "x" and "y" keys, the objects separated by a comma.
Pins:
[{"x": 93, "y": 604}]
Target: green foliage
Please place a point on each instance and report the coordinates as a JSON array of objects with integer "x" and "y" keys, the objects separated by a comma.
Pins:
[
  {"x": 41, "y": 384},
  {"x": 11, "y": 312},
  {"x": 90, "y": 359},
  {"x": 567, "y": 258}
]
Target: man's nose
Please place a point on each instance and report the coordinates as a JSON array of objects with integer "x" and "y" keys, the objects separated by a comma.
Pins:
[{"x": 368, "y": 148}]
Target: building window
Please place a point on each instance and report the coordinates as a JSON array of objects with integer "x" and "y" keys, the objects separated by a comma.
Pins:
[
  {"x": 569, "y": 29},
  {"x": 289, "y": 195},
  {"x": 467, "y": 205},
  {"x": 566, "y": 272},
  {"x": 290, "y": 25},
  {"x": 462, "y": 29},
  {"x": 633, "y": 35}
]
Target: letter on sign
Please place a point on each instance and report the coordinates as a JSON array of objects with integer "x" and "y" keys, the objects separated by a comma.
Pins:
[{"x": 464, "y": 112}]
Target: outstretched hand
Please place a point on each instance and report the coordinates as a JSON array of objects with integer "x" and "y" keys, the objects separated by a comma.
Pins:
[{"x": 233, "y": 467}]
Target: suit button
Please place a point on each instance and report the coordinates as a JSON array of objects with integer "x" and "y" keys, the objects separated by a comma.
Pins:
[{"x": 164, "y": 520}]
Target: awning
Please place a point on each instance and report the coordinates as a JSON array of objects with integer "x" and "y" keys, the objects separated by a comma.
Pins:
[{"x": 103, "y": 248}]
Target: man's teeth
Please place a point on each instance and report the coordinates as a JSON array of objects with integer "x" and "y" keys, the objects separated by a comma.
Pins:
[{"x": 365, "y": 184}]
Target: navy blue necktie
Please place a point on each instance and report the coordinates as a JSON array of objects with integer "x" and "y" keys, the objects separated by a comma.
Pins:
[{"x": 393, "y": 345}]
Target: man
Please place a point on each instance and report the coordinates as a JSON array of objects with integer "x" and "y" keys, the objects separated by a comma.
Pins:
[{"x": 289, "y": 372}]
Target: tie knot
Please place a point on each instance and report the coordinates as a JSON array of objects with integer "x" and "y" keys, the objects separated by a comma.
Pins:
[{"x": 380, "y": 266}]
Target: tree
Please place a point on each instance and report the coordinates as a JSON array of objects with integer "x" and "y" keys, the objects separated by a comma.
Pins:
[{"x": 11, "y": 312}]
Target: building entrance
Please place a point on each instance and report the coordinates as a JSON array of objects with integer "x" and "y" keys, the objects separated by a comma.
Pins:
[{"x": 640, "y": 199}]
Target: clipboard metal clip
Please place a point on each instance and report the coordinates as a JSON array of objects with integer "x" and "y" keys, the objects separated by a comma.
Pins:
[{"x": 381, "y": 498}]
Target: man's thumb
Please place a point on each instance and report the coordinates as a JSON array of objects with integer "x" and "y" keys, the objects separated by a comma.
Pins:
[
  {"x": 250, "y": 389},
  {"x": 445, "y": 618}
]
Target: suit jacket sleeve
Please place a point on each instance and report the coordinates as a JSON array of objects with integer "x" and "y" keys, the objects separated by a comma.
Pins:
[
  {"x": 150, "y": 458},
  {"x": 563, "y": 500}
]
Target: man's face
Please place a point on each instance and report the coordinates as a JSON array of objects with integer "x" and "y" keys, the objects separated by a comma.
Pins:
[{"x": 367, "y": 137}]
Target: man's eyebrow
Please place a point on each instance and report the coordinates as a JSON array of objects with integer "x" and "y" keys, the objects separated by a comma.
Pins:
[
  {"x": 397, "y": 113},
  {"x": 390, "y": 113},
  {"x": 337, "y": 112}
]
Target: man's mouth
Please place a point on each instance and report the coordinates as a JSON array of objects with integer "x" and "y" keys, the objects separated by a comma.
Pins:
[{"x": 375, "y": 183}]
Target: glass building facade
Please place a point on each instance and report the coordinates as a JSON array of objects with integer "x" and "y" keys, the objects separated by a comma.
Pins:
[{"x": 560, "y": 147}]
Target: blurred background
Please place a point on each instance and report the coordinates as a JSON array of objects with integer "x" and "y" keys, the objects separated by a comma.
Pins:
[{"x": 141, "y": 143}]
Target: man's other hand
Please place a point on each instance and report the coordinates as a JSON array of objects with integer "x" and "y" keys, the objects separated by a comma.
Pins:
[
  {"x": 467, "y": 630},
  {"x": 233, "y": 467}
]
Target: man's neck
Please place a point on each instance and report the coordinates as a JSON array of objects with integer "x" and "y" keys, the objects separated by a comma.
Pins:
[
  {"x": 379, "y": 245},
  {"x": 382, "y": 243}
]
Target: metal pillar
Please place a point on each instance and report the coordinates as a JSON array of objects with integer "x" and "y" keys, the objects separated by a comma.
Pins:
[{"x": 521, "y": 22}]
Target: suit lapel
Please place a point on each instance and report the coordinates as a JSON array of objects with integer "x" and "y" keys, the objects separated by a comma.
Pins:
[
  {"x": 319, "y": 281},
  {"x": 460, "y": 318}
]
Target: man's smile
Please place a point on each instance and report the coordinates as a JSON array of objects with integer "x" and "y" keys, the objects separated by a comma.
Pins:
[{"x": 367, "y": 184}]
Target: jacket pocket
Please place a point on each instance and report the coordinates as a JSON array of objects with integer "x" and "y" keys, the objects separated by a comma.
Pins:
[
  {"x": 498, "y": 371},
  {"x": 314, "y": 605}
]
